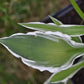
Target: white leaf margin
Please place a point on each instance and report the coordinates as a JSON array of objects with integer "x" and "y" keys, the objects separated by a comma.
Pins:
[
  {"x": 66, "y": 79},
  {"x": 30, "y": 62}
]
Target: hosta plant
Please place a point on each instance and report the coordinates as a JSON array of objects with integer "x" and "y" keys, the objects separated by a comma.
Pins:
[{"x": 52, "y": 47}]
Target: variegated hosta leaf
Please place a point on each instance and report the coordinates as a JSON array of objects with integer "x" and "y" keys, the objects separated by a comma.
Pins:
[
  {"x": 66, "y": 29},
  {"x": 50, "y": 51},
  {"x": 63, "y": 76}
]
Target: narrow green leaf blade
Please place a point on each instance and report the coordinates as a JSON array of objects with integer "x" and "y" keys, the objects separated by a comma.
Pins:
[
  {"x": 57, "y": 22},
  {"x": 77, "y": 39},
  {"x": 63, "y": 76},
  {"x": 78, "y": 10},
  {"x": 66, "y": 29},
  {"x": 44, "y": 51}
]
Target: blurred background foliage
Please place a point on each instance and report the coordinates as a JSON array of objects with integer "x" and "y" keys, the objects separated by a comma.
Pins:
[{"x": 12, "y": 70}]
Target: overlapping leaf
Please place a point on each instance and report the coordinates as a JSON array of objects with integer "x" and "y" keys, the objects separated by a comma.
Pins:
[
  {"x": 63, "y": 76},
  {"x": 66, "y": 29},
  {"x": 49, "y": 50},
  {"x": 44, "y": 51},
  {"x": 57, "y": 22}
]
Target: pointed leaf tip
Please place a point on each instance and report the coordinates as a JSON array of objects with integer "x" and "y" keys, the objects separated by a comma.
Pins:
[{"x": 57, "y": 22}]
